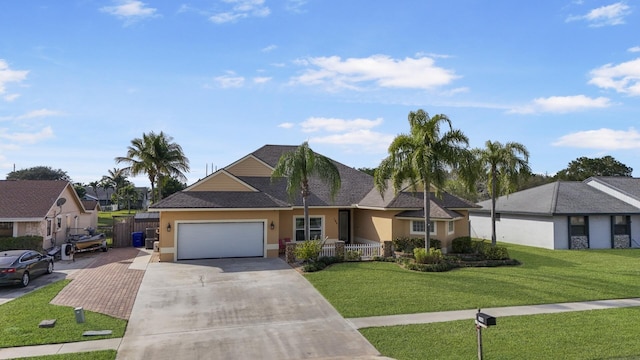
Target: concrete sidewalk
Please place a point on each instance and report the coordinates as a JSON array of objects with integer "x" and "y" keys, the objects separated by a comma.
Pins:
[
  {"x": 443, "y": 316},
  {"x": 52, "y": 349}
]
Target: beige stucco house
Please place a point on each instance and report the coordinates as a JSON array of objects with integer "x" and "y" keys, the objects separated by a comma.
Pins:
[
  {"x": 47, "y": 208},
  {"x": 239, "y": 212}
]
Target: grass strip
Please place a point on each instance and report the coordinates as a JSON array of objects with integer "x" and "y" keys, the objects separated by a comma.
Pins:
[{"x": 595, "y": 334}]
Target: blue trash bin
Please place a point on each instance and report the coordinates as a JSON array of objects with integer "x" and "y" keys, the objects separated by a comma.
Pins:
[{"x": 137, "y": 239}]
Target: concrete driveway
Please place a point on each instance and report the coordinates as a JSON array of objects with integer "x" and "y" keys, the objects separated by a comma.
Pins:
[{"x": 236, "y": 309}]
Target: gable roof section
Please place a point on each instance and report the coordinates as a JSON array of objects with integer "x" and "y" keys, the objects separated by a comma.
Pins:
[
  {"x": 219, "y": 200},
  {"x": 21, "y": 199},
  {"x": 221, "y": 180},
  {"x": 626, "y": 189},
  {"x": 559, "y": 198}
]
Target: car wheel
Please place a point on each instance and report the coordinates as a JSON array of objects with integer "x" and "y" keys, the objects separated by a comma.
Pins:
[
  {"x": 25, "y": 279},
  {"x": 50, "y": 267}
]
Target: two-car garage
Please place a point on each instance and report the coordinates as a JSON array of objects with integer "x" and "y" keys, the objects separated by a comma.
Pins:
[{"x": 208, "y": 240}]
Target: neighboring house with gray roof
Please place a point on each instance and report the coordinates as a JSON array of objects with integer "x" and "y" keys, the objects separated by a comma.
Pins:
[
  {"x": 47, "y": 208},
  {"x": 239, "y": 211},
  {"x": 598, "y": 213}
]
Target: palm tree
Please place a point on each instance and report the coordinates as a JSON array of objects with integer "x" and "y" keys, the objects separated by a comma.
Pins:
[
  {"x": 297, "y": 167},
  {"x": 503, "y": 165},
  {"x": 157, "y": 156},
  {"x": 116, "y": 179},
  {"x": 422, "y": 158}
]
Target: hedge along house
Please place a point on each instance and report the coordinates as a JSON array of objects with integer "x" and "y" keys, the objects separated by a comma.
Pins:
[
  {"x": 598, "y": 213},
  {"x": 238, "y": 211},
  {"x": 47, "y": 208}
]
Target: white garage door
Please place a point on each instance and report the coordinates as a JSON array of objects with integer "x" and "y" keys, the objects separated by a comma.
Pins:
[{"x": 220, "y": 240}]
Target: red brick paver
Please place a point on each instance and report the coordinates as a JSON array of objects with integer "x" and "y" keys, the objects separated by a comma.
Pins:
[{"x": 106, "y": 286}]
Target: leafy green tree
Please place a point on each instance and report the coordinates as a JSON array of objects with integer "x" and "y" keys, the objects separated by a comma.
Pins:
[
  {"x": 39, "y": 173},
  {"x": 171, "y": 185},
  {"x": 423, "y": 158},
  {"x": 366, "y": 170},
  {"x": 80, "y": 190},
  {"x": 503, "y": 166},
  {"x": 583, "y": 168},
  {"x": 297, "y": 167},
  {"x": 157, "y": 156},
  {"x": 94, "y": 185}
]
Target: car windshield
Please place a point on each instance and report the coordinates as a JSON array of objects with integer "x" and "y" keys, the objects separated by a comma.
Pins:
[{"x": 7, "y": 260}]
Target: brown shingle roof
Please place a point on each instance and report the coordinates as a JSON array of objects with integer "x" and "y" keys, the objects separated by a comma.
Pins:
[
  {"x": 357, "y": 188},
  {"x": 28, "y": 198}
]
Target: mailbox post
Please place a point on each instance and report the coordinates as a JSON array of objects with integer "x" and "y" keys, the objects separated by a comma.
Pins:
[{"x": 482, "y": 321}]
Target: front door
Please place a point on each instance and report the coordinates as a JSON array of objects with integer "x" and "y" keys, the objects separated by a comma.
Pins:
[{"x": 344, "y": 226}]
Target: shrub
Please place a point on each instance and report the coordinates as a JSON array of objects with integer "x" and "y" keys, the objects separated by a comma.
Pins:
[
  {"x": 313, "y": 266},
  {"x": 433, "y": 257},
  {"x": 406, "y": 244},
  {"x": 439, "y": 267},
  {"x": 352, "y": 255},
  {"x": 309, "y": 250},
  {"x": 21, "y": 243},
  {"x": 489, "y": 252},
  {"x": 462, "y": 245},
  {"x": 328, "y": 260}
]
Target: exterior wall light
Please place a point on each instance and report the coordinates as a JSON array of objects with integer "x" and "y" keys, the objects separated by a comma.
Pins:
[
  {"x": 272, "y": 226},
  {"x": 168, "y": 227}
]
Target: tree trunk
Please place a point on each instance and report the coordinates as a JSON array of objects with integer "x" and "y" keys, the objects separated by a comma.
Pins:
[
  {"x": 427, "y": 211},
  {"x": 305, "y": 194},
  {"x": 494, "y": 188}
]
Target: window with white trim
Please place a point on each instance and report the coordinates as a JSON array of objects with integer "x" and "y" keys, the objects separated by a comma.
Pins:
[
  {"x": 417, "y": 227},
  {"x": 315, "y": 227},
  {"x": 451, "y": 227}
]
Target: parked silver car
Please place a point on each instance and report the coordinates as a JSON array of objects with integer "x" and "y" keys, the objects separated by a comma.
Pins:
[{"x": 20, "y": 266}]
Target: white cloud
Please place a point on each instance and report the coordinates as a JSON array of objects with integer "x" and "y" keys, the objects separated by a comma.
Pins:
[
  {"x": 602, "y": 139},
  {"x": 562, "y": 104},
  {"x": 10, "y": 76},
  {"x": 286, "y": 125},
  {"x": 130, "y": 10},
  {"x": 623, "y": 78},
  {"x": 347, "y": 133},
  {"x": 634, "y": 49},
  {"x": 231, "y": 80},
  {"x": 269, "y": 48},
  {"x": 608, "y": 15},
  {"x": 261, "y": 79},
  {"x": 11, "y": 97},
  {"x": 295, "y": 6},
  {"x": 27, "y": 138},
  {"x": 314, "y": 124},
  {"x": 241, "y": 9},
  {"x": 364, "y": 139},
  {"x": 39, "y": 114},
  {"x": 377, "y": 70}
]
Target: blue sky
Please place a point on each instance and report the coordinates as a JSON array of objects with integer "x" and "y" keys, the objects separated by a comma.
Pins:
[{"x": 80, "y": 79}]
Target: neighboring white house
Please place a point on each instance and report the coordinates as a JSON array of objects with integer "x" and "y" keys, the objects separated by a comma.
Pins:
[{"x": 598, "y": 213}]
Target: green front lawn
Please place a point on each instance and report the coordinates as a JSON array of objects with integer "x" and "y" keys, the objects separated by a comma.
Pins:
[
  {"x": 105, "y": 218},
  {"x": 90, "y": 355},
  {"x": 596, "y": 334},
  {"x": 546, "y": 276},
  {"x": 20, "y": 319}
]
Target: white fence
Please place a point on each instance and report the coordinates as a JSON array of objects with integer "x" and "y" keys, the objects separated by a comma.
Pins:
[{"x": 367, "y": 251}]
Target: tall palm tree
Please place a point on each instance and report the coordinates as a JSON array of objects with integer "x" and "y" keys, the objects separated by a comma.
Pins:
[
  {"x": 422, "y": 158},
  {"x": 504, "y": 166},
  {"x": 116, "y": 179},
  {"x": 157, "y": 156},
  {"x": 298, "y": 166}
]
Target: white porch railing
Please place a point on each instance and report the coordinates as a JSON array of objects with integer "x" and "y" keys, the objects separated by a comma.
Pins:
[{"x": 368, "y": 251}]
